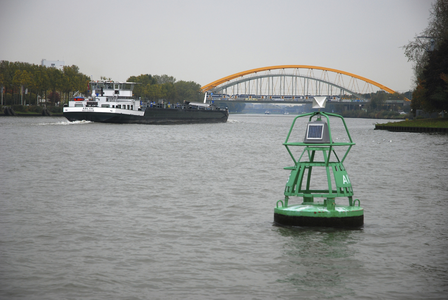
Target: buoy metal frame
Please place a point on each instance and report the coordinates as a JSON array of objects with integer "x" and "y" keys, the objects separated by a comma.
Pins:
[{"x": 309, "y": 212}]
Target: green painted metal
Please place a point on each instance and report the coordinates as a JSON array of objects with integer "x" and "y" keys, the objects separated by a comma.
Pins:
[
  {"x": 320, "y": 210},
  {"x": 314, "y": 157}
]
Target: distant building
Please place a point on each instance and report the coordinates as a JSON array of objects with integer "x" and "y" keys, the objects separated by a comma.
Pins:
[{"x": 53, "y": 64}]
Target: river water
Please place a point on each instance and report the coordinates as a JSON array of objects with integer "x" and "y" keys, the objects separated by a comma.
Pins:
[{"x": 104, "y": 211}]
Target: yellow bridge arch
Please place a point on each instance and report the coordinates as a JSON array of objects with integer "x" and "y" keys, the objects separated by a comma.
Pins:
[{"x": 218, "y": 82}]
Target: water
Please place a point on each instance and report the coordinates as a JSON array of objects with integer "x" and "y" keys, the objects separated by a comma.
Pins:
[{"x": 102, "y": 211}]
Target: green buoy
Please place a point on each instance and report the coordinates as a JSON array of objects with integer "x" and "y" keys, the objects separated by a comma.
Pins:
[{"x": 318, "y": 157}]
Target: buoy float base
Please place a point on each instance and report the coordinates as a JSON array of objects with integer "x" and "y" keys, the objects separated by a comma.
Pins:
[{"x": 318, "y": 215}]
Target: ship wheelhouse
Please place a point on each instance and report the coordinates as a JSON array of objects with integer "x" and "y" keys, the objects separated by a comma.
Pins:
[
  {"x": 108, "y": 95},
  {"x": 113, "y": 89}
]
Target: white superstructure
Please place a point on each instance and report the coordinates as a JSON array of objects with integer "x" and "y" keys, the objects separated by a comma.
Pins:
[{"x": 107, "y": 97}]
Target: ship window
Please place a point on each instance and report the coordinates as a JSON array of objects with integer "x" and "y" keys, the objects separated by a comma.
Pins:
[
  {"x": 132, "y": 107},
  {"x": 128, "y": 106},
  {"x": 78, "y": 105},
  {"x": 105, "y": 105},
  {"x": 118, "y": 106}
]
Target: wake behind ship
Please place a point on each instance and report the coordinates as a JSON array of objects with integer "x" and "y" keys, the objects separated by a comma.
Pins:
[{"x": 112, "y": 102}]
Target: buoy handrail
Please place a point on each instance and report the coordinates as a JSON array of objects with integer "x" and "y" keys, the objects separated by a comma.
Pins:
[
  {"x": 311, "y": 145},
  {"x": 314, "y": 164},
  {"x": 326, "y": 115},
  {"x": 321, "y": 147},
  {"x": 281, "y": 202},
  {"x": 321, "y": 194},
  {"x": 290, "y": 168}
]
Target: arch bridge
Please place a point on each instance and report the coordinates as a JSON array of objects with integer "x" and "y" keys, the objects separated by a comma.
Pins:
[{"x": 291, "y": 84}]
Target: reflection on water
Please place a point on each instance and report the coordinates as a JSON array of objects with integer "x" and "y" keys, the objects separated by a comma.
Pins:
[{"x": 317, "y": 261}]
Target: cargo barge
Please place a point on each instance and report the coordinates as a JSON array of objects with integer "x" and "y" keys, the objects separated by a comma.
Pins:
[{"x": 113, "y": 102}]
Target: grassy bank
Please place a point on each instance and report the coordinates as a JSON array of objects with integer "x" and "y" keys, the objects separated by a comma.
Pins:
[{"x": 422, "y": 123}]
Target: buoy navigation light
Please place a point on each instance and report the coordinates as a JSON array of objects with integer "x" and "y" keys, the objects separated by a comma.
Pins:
[{"x": 318, "y": 177}]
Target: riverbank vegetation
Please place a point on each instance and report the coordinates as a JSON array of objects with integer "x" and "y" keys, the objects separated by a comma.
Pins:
[
  {"x": 23, "y": 85},
  {"x": 381, "y": 105},
  {"x": 382, "y": 114},
  {"x": 425, "y": 123},
  {"x": 29, "y": 84},
  {"x": 429, "y": 53}
]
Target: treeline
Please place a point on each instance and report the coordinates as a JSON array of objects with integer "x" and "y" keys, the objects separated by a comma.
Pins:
[
  {"x": 377, "y": 103},
  {"x": 30, "y": 84},
  {"x": 23, "y": 83},
  {"x": 155, "y": 87},
  {"x": 429, "y": 53},
  {"x": 379, "y": 114}
]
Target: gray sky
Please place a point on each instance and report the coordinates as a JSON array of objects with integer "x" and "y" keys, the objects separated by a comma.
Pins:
[{"x": 202, "y": 41}]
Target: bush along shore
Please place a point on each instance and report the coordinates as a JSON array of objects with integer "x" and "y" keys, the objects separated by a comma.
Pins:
[
  {"x": 30, "y": 111},
  {"x": 379, "y": 114},
  {"x": 416, "y": 125}
]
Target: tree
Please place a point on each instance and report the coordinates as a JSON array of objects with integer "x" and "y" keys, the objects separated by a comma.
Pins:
[
  {"x": 155, "y": 87},
  {"x": 2, "y": 85},
  {"x": 73, "y": 81},
  {"x": 377, "y": 101},
  {"x": 42, "y": 82},
  {"x": 437, "y": 30},
  {"x": 8, "y": 70},
  {"x": 27, "y": 81},
  {"x": 154, "y": 92},
  {"x": 21, "y": 80},
  {"x": 428, "y": 52},
  {"x": 142, "y": 89},
  {"x": 438, "y": 23},
  {"x": 143, "y": 79},
  {"x": 188, "y": 91},
  {"x": 418, "y": 97},
  {"x": 164, "y": 79},
  {"x": 169, "y": 91},
  {"x": 56, "y": 83},
  {"x": 435, "y": 75},
  {"x": 54, "y": 97}
]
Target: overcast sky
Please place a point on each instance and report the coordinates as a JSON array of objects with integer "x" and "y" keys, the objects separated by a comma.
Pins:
[{"x": 202, "y": 41}]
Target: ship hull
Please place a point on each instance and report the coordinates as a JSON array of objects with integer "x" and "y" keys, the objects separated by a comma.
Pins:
[{"x": 150, "y": 116}]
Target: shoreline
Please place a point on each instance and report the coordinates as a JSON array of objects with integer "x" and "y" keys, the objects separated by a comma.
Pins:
[
  {"x": 409, "y": 129},
  {"x": 416, "y": 125},
  {"x": 32, "y": 115}
]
